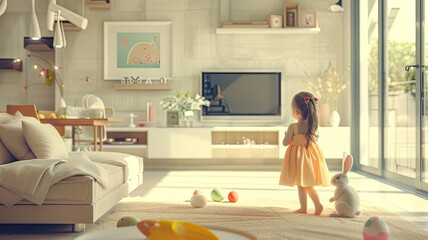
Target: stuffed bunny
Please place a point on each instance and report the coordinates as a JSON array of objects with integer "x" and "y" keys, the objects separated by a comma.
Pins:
[{"x": 347, "y": 201}]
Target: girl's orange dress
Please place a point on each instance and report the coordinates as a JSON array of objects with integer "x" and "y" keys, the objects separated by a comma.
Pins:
[{"x": 303, "y": 166}]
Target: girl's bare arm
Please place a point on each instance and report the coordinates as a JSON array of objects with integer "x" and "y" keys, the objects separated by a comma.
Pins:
[{"x": 288, "y": 135}]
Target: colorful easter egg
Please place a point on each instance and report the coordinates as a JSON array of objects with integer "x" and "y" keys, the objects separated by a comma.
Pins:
[
  {"x": 375, "y": 228},
  {"x": 198, "y": 201},
  {"x": 217, "y": 194},
  {"x": 127, "y": 221},
  {"x": 233, "y": 196}
]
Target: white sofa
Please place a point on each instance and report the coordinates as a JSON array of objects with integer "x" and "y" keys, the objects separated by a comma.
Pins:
[{"x": 77, "y": 199}]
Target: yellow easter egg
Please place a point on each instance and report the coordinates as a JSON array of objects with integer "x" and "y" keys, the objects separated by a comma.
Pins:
[
  {"x": 52, "y": 115},
  {"x": 41, "y": 116}
]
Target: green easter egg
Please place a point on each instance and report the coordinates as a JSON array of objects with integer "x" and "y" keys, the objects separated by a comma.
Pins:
[
  {"x": 127, "y": 221},
  {"x": 217, "y": 194}
]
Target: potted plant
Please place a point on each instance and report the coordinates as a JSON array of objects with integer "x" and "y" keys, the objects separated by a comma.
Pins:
[{"x": 184, "y": 104}]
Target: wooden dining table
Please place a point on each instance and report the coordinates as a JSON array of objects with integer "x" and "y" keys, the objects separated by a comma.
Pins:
[{"x": 98, "y": 125}]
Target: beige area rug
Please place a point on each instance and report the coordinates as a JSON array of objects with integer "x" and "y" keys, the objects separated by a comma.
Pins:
[{"x": 264, "y": 220}]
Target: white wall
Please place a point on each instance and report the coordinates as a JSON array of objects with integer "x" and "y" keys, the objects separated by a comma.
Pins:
[{"x": 195, "y": 47}]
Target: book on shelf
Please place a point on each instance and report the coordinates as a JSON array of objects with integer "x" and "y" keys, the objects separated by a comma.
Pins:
[{"x": 245, "y": 24}]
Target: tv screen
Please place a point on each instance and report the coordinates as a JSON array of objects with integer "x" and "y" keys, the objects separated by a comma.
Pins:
[{"x": 242, "y": 93}]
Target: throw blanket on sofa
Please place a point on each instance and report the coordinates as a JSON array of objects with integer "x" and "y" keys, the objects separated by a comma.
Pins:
[{"x": 31, "y": 179}]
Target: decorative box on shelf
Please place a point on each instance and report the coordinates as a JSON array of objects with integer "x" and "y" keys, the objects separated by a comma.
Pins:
[{"x": 137, "y": 83}]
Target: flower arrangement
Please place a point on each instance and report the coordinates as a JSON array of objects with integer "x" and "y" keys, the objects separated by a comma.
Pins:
[
  {"x": 328, "y": 85},
  {"x": 184, "y": 102}
]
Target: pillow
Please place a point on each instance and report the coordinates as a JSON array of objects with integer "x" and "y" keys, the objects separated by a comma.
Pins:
[
  {"x": 4, "y": 117},
  {"x": 44, "y": 140},
  {"x": 5, "y": 156},
  {"x": 13, "y": 138}
]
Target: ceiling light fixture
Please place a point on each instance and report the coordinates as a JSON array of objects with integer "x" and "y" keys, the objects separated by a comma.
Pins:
[
  {"x": 34, "y": 27},
  {"x": 64, "y": 41},
  {"x": 58, "y": 39},
  {"x": 3, "y": 6},
  {"x": 336, "y": 7},
  {"x": 50, "y": 18},
  {"x": 71, "y": 16}
]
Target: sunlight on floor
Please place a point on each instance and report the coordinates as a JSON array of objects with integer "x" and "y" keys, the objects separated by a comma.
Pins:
[{"x": 250, "y": 185}]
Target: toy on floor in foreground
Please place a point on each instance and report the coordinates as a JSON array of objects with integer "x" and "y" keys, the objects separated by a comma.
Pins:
[
  {"x": 233, "y": 196},
  {"x": 174, "y": 230},
  {"x": 198, "y": 201},
  {"x": 375, "y": 228},
  {"x": 346, "y": 199},
  {"x": 127, "y": 221},
  {"x": 217, "y": 194}
]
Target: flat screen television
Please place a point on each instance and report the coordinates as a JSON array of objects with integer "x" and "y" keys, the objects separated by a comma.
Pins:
[{"x": 242, "y": 95}]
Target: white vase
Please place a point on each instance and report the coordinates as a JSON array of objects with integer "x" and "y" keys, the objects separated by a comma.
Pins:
[
  {"x": 186, "y": 118},
  {"x": 334, "y": 119}
]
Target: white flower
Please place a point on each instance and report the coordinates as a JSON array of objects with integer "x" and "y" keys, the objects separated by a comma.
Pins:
[{"x": 184, "y": 102}]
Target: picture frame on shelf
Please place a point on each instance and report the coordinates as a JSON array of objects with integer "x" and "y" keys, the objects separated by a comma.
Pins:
[
  {"x": 308, "y": 19},
  {"x": 290, "y": 14},
  {"x": 172, "y": 118},
  {"x": 140, "y": 48},
  {"x": 275, "y": 21}
]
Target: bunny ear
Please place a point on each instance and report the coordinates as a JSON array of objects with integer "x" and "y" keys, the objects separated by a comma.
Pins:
[
  {"x": 347, "y": 163},
  {"x": 345, "y": 154}
]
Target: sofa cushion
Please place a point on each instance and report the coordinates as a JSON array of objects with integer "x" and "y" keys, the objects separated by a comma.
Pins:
[
  {"x": 132, "y": 165},
  {"x": 5, "y": 156},
  {"x": 12, "y": 136},
  {"x": 44, "y": 140},
  {"x": 4, "y": 117}
]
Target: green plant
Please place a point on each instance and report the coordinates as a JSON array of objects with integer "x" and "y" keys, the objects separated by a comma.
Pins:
[
  {"x": 184, "y": 102},
  {"x": 398, "y": 80}
]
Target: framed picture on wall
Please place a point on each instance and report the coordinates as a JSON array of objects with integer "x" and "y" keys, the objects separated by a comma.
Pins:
[
  {"x": 308, "y": 18},
  {"x": 137, "y": 48}
]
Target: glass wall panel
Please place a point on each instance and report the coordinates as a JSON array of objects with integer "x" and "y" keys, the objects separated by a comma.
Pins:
[
  {"x": 424, "y": 108},
  {"x": 400, "y": 98},
  {"x": 369, "y": 84}
]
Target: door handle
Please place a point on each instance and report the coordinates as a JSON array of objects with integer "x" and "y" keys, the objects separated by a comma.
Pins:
[{"x": 407, "y": 68}]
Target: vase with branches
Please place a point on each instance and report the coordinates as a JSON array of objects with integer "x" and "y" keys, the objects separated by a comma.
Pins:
[{"x": 327, "y": 85}]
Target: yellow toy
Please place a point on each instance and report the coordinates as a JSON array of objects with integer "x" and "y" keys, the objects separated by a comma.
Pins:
[{"x": 174, "y": 230}]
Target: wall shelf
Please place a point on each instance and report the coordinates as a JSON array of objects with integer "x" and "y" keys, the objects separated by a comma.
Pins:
[
  {"x": 268, "y": 30},
  {"x": 98, "y": 4},
  {"x": 143, "y": 87},
  {"x": 11, "y": 64}
]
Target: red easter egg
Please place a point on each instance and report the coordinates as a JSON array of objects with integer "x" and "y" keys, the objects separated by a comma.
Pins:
[{"x": 233, "y": 196}]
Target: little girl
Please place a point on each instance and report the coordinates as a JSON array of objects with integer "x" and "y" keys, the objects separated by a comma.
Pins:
[{"x": 304, "y": 164}]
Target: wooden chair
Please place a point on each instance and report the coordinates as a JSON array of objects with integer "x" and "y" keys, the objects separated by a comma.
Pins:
[
  {"x": 26, "y": 110},
  {"x": 30, "y": 110}
]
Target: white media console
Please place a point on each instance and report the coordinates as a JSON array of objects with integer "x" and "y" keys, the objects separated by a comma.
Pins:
[{"x": 210, "y": 143}]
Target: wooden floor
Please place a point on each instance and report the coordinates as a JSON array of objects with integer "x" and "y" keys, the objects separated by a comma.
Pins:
[{"x": 164, "y": 184}]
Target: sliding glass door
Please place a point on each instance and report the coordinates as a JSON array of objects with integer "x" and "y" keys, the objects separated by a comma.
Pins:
[
  {"x": 424, "y": 101},
  {"x": 394, "y": 139},
  {"x": 401, "y": 68},
  {"x": 370, "y": 58}
]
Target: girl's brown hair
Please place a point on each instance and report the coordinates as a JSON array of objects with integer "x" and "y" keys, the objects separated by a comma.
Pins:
[{"x": 305, "y": 103}]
